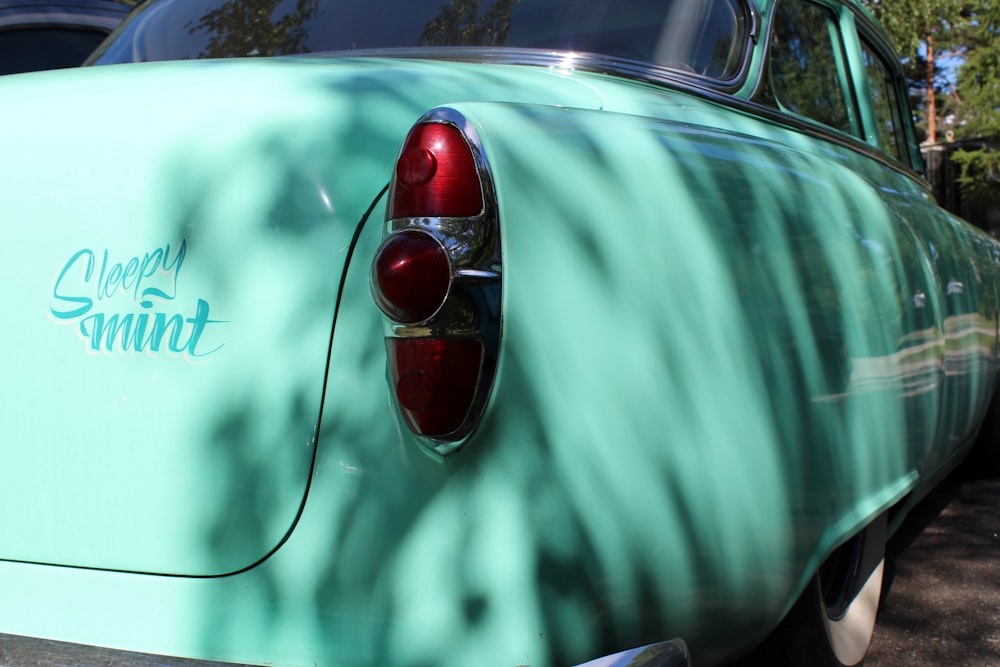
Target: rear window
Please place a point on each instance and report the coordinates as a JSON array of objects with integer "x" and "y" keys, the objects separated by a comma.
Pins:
[
  {"x": 885, "y": 103},
  {"x": 31, "y": 49},
  {"x": 704, "y": 37},
  {"x": 808, "y": 65}
]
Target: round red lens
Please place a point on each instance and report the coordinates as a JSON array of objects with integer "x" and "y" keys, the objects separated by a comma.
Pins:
[{"x": 411, "y": 276}]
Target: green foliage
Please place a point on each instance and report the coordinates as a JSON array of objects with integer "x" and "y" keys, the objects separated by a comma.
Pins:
[
  {"x": 918, "y": 29},
  {"x": 980, "y": 176},
  {"x": 979, "y": 111},
  {"x": 457, "y": 24},
  {"x": 979, "y": 76},
  {"x": 969, "y": 31},
  {"x": 910, "y": 22},
  {"x": 239, "y": 28}
]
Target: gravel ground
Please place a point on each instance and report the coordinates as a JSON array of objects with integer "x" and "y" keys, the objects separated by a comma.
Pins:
[{"x": 941, "y": 600}]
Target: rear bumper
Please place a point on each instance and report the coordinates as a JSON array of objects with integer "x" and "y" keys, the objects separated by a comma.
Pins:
[
  {"x": 16, "y": 651},
  {"x": 673, "y": 653}
]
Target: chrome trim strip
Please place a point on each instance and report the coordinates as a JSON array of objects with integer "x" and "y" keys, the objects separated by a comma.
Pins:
[
  {"x": 583, "y": 61},
  {"x": 756, "y": 20},
  {"x": 827, "y": 134},
  {"x": 104, "y": 22},
  {"x": 673, "y": 653},
  {"x": 477, "y": 274}
]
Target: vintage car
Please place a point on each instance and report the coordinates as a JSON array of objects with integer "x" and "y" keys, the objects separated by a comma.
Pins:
[
  {"x": 432, "y": 333},
  {"x": 51, "y": 34}
]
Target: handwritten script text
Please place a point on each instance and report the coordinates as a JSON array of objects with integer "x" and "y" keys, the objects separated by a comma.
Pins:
[{"x": 121, "y": 306}]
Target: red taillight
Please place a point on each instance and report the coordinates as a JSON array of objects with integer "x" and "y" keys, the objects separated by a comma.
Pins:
[
  {"x": 434, "y": 380},
  {"x": 436, "y": 175},
  {"x": 411, "y": 276},
  {"x": 437, "y": 279}
]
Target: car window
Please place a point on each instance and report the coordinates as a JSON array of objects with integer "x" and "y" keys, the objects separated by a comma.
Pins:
[
  {"x": 885, "y": 103},
  {"x": 807, "y": 64},
  {"x": 30, "y": 49},
  {"x": 705, "y": 37}
]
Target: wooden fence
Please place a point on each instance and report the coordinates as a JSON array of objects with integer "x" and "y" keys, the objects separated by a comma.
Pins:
[{"x": 942, "y": 174}]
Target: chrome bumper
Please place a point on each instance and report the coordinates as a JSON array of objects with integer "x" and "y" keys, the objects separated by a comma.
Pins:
[
  {"x": 17, "y": 651},
  {"x": 673, "y": 653}
]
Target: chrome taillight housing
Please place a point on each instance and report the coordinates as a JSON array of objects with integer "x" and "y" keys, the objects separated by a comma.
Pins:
[{"x": 437, "y": 279}]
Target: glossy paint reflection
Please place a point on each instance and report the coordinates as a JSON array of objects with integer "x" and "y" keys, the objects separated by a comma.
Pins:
[{"x": 725, "y": 351}]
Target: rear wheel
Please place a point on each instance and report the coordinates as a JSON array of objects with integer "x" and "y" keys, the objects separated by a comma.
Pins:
[
  {"x": 849, "y": 623},
  {"x": 838, "y": 610},
  {"x": 832, "y": 623}
]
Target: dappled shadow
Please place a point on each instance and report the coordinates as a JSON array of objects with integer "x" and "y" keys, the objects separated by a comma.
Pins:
[{"x": 681, "y": 427}]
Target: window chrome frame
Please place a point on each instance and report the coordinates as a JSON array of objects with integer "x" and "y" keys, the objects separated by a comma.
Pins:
[
  {"x": 552, "y": 58},
  {"x": 595, "y": 63}
]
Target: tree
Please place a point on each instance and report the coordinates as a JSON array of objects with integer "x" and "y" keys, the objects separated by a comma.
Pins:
[
  {"x": 979, "y": 76},
  {"x": 238, "y": 28},
  {"x": 923, "y": 31},
  {"x": 969, "y": 95},
  {"x": 979, "y": 115},
  {"x": 457, "y": 24}
]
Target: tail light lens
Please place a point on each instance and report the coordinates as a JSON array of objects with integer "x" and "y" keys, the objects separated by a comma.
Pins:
[
  {"x": 436, "y": 175},
  {"x": 434, "y": 381},
  {"x": 411, "y": 276},
  {"x": 437, "y": 279}
]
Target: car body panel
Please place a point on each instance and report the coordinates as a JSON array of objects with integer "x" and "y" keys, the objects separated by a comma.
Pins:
[
  {"x": 246, "y": 223},
  {"x": 731, "y": 340}
]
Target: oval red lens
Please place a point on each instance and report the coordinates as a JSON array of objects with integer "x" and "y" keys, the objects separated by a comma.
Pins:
[
  {"x": 435, "y": 381},
  {"x": 436, "y": 176},
  {"x": 411, "y": 276}
]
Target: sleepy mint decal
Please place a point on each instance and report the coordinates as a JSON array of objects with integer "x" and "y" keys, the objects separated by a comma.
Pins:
[{"x": 131, "y": 305}]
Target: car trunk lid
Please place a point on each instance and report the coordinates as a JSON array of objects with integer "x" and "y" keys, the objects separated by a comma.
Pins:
[{"x": 179, "y": 233}]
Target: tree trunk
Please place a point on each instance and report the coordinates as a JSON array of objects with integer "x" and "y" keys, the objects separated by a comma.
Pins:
[{"x": 931, "y": 103}]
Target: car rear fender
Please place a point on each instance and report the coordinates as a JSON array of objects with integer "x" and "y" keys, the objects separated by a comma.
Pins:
[
  {"x": 703, "y": 378},
  {"x": 175, "y": 275}
]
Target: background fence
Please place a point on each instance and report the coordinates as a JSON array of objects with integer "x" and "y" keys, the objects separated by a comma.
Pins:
[{"x": 942, "y": 174}]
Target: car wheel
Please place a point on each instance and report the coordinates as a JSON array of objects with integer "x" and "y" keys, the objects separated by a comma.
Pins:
[
  {"x": 849, "y": 624},
  {"x": 839, "y": 607},
  {"x": 831, "y": 624}
]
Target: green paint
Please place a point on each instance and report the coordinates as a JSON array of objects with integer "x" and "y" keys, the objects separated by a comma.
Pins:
[{"x": 728, "y": 345}]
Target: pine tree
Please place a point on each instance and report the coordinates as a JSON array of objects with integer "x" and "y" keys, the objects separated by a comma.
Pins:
[
  {"x": 979, "y": 116},
  {"x": 923, "y": 31},
  {"x": 967, "y": 30}
]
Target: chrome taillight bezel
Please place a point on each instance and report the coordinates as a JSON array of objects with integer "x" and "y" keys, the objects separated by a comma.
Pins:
[{"x": 473, "y": 306}]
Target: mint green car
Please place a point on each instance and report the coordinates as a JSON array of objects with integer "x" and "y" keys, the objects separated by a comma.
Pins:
[{"x": 448, "y": 333}]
